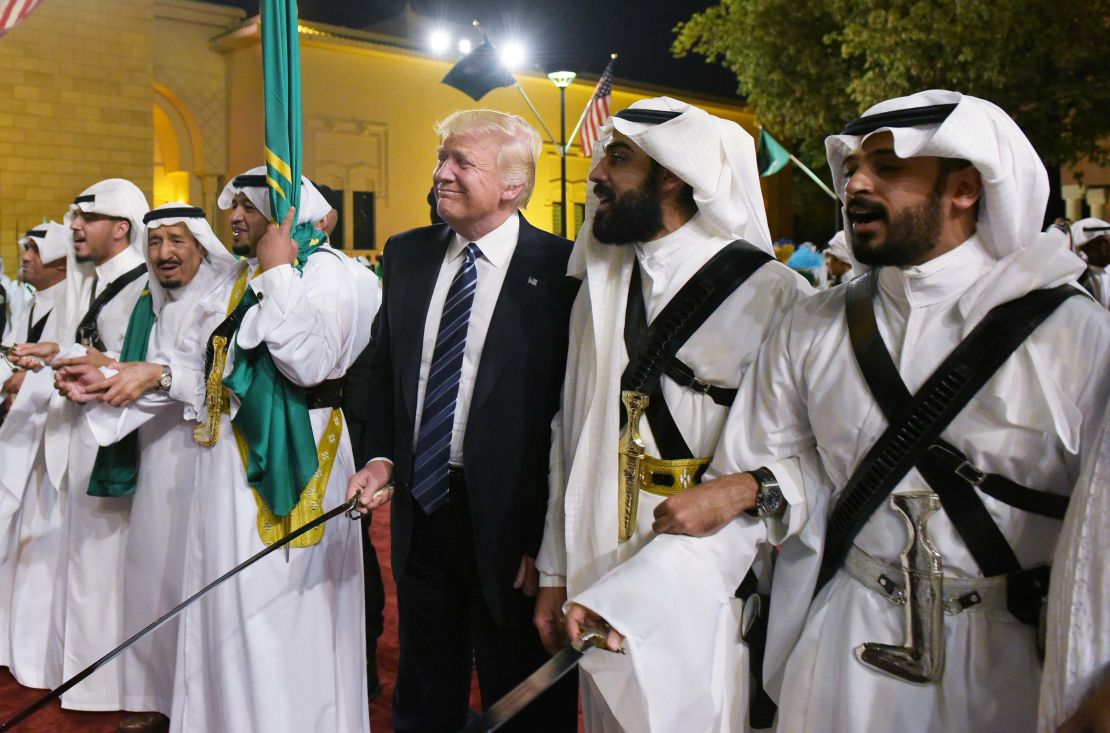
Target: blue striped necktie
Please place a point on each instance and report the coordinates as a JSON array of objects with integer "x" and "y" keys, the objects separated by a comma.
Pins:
[{"x": 433, "y": 444}]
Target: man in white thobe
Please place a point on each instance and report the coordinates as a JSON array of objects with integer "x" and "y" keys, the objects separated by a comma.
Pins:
[
  {"x": 187, "y": 265},
  {"x": 281, "y": 646},
  {"x": 1091, "y": 239},
  {"x": 106, "y": 274},
  {"x": 15, "y": 298},
  {"x": 674, "y": 188},
  {"x": 1075, "y": 688},
  {"x": 29, "y": 550},
  {"x": 838, "y": 260},
  {"x": 944, "y": 194}
]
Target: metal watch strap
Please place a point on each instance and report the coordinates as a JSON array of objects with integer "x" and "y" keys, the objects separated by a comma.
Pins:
[
  {"x": 769, "y": 499},
  {"x": 166, "y": 380}
]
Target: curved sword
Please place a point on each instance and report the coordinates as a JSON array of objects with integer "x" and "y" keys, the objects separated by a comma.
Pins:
[
  {"x": 348, "y": 508},
  {"x": 535, "y": 684}
]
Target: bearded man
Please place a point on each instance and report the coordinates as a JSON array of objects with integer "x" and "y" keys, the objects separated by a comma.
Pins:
[
  {"x": 147, "y": 447},
  {"x": 670, "y": 221},
  {"x": 969, "y": 325}
]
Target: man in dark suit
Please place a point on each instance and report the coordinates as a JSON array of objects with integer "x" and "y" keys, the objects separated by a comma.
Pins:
[{"x": 465, "y": 376}]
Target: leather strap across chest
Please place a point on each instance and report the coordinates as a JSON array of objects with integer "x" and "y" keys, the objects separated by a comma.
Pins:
[
  {"x": 87, "y": 330},
  {"x": 653, "y": 347},
  {"x": 912, "y": 438}
]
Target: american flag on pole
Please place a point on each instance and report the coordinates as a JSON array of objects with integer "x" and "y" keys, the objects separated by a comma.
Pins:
[
  {"x": 14, "y": 11},
  {"x": 597, "y": 111}
]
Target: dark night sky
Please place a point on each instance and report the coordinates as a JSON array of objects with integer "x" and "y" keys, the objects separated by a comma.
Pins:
[{"x": 577, "y": 35}]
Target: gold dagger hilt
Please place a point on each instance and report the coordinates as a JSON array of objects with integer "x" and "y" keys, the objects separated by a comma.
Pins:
[{"x": 630, "y": 454}]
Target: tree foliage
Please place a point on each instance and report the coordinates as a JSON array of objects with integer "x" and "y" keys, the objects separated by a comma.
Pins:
[{"x": 806, "y": 68}]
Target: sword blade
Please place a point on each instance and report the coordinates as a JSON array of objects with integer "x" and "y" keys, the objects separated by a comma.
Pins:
[
  {"x": 533, "y": 686},
  {"x": 87, "y": 671}
]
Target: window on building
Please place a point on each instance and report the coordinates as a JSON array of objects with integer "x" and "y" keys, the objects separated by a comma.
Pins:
[
  {"x": 579, "y": 217},
  {"x": 363, "y": 212},
  {"x": 557, "y": 221}
]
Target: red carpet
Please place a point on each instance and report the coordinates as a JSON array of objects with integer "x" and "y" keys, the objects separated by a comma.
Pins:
[{"x": 53, "y": 719}]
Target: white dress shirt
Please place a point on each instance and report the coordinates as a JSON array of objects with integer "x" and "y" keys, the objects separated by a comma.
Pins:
[{"x": 497, "y": 250}]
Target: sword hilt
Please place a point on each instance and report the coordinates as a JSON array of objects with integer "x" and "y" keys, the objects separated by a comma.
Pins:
[{"x": 596, "y": 638}]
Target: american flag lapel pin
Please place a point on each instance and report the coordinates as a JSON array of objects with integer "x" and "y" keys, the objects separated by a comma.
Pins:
[{"x": 533, "y": 281}]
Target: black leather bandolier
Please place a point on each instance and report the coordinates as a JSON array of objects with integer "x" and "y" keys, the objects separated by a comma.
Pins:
[
  {"x": 88, "y": 333},
  {"x": 35, "y": 328},
  {"x": 912, "y": 440},
  {"x": 655, "y": 348},
  {"x": 652, "y": 348}
]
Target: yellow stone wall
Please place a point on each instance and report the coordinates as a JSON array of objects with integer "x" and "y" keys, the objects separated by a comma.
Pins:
[
  {"x": 168, "y": 93},
  {"x": 76, "y": 82}
]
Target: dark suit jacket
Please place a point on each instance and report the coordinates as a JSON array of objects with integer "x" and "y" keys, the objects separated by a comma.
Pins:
[{"x": 516, "y": 394}]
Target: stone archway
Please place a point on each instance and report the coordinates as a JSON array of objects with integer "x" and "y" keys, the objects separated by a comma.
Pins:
[{"x": 179, "y": 168}]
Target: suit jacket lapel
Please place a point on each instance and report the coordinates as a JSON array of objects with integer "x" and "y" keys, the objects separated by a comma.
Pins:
[
  {"x": 416, "y": 282},
  {"x": 506, "y": 325}
]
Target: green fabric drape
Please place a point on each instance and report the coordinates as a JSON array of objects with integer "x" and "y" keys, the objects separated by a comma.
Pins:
[{"x": 116, "y": 469}]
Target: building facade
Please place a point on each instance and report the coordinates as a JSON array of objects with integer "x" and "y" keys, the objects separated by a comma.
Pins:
[{"x": 168, "y": 93}]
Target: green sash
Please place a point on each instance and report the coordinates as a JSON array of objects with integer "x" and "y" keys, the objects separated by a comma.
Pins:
[
  {"x": 117, "y": 466},
  {"x": 273, "y": 412}
]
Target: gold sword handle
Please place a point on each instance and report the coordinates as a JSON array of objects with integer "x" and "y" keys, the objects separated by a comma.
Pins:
[{"x": 630, "y": 454}]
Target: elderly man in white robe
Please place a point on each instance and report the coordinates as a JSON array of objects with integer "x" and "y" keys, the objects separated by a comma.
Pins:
[
  {"x": 187, "y": 265},
  {"x": 281, "y": 646},
  {"x": 674, "y": 189},
  {"x": 944, "y": 196},
  {"x": 29, "y": 550},
  {"x": 106, "y": 274}
]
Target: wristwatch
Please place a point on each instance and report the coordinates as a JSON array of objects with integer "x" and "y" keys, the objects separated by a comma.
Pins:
[
  {"x": 166, "y": 380},
  {"x": 769, "y": 501}
]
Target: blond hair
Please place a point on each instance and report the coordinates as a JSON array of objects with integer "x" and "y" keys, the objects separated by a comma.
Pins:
[{"x": 520, "y": 144}]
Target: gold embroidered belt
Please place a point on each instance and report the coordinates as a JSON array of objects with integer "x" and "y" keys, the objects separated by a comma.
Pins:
[{"x": 667, "y": 478}]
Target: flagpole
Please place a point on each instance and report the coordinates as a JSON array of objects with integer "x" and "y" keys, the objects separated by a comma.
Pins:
[
  {"x": 550, "y": 137},
  {"x": 581, "y": 119},
  {"x": 812, "y": 175},
  {"x": 562, "y": 79}
]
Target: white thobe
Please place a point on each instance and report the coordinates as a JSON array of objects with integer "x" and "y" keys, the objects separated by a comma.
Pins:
[
  {"x": 19, "y": 299},
  {"x": 580, "y": 537},
  {"x": 29, "y": 644},
  {"x": 805, "y": 412},
  {"x": 88, "y": 606},
  {"x": 1077, "y": 649},
  {"x": 1100, "y": 281},
  {"x": 153, "y": 557},
  {"x": 280, "y": 646}
]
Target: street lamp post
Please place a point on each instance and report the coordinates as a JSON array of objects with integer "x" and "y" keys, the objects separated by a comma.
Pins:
[{"x": 562, "y": 79}]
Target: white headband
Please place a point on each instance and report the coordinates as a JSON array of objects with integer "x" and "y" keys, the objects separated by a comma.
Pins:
[
  {"x": 952, "y": 125},
  {"x": 716, "y": 157},
  {"x": 252, "y": 184},
  {"x": 51, "y": 239}
]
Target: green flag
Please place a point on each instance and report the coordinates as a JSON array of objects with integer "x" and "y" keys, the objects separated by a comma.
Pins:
[
  {"x": 273, "y": 413},
  {"x": 281, "y": 74},
  {"x": 771, "y": 156}
]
